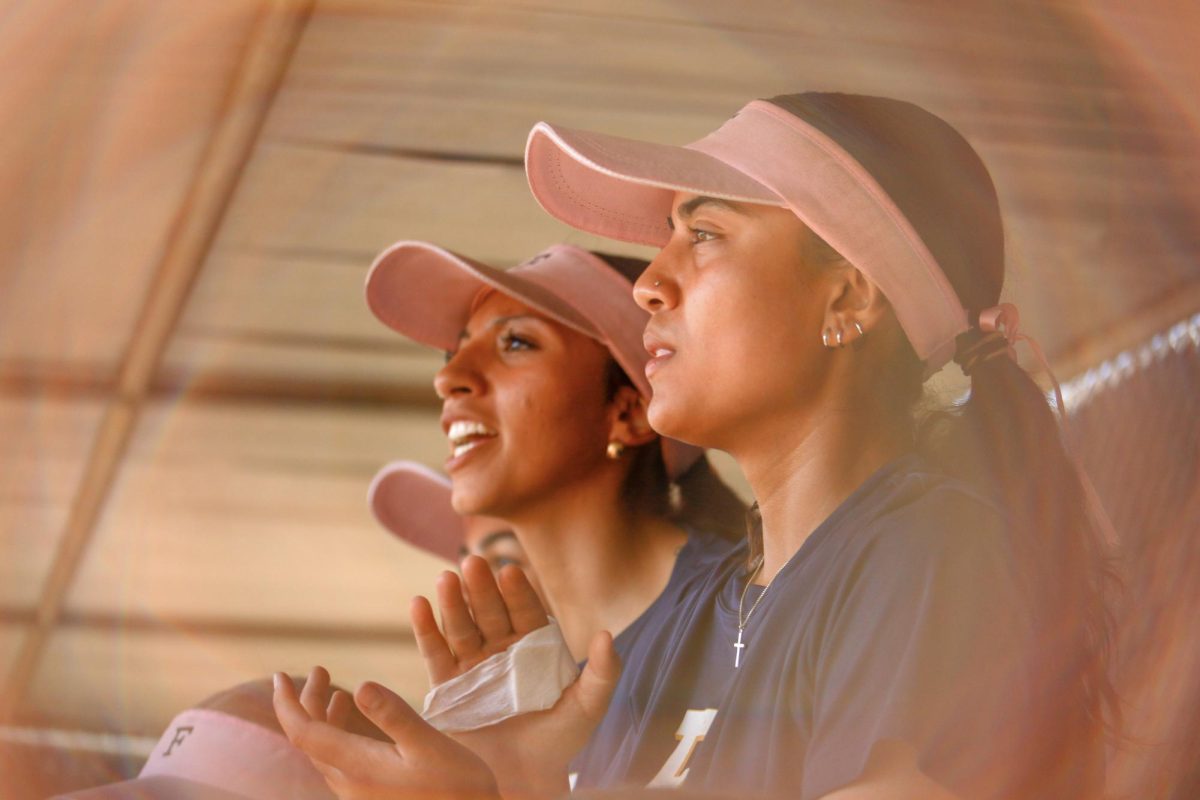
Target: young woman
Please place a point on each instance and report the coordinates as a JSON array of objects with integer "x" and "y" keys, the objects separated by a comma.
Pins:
[
  {"x": 543, "y": 404},
  {"x": 544, "y": 400},
  {"x": 921, "y": 612}
]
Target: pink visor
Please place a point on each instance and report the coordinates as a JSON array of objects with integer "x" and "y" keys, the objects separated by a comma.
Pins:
[
  {"x": 624, "y": 189},
  {"x": 413, "y": 502},
  {"x": 426, "y": 293},
  {"x": 206, "y": 754}
]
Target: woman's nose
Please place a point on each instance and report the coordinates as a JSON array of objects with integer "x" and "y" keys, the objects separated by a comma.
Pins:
[
  {"x": 457, "y": 377},
  {"x": 654, "y": 289}
]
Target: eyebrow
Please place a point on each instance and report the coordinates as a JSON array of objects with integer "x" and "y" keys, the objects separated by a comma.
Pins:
[
  {"x": 495, "y": 536},
  {"x": 691, "y": 206}
]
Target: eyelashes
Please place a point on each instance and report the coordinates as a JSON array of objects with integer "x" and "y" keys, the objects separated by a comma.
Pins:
[
  {"x": 512, "y": 341},
  {"x": 509, "y": 341}
]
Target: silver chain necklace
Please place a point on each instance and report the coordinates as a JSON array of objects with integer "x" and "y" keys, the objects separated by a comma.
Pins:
[{"x": 742, "y": 623}]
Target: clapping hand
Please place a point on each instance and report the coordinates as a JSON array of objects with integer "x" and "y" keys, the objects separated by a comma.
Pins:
[
  {"x": 482, "y": 615},
  {"x": 523, "y": 756},
  {"x": 420, "y": 762}
]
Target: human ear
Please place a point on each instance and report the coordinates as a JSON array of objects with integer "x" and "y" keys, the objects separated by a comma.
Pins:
[
  {"x": 856, "y": 306},
  {"x": 627, "y": 419}
]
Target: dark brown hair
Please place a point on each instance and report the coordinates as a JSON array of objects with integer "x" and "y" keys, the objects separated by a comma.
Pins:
[
  {"x": 1003, "y": 437},
  {"x": 704, "y": 502}
]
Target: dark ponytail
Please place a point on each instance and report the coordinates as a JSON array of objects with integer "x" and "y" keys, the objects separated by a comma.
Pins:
[{"x": 1005, "y": 439}]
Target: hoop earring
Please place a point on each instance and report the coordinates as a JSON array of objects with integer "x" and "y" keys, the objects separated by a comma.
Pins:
[
  {"x": 840, "y": 343},
  {"x": 825, "y": 338},
  {"x": 857, "y": 327},
  {"x": 614, "y": 450}
]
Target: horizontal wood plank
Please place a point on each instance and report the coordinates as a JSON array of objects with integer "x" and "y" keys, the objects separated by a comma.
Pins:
[{"x": 258, "y": 512}]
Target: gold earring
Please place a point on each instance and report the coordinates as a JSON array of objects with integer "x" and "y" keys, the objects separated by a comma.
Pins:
[{"x": 614, "y": 450}]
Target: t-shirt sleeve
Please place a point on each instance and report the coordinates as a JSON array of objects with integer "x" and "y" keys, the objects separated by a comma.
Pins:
[{"x": 924, "y": 643}]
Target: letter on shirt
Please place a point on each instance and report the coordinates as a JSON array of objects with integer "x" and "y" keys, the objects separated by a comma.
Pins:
[{"x": 691, "y": 732}]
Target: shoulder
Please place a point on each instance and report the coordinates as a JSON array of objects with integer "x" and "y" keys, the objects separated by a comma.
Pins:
[
  {"x": 921, "y": 529},
  {"x": 921, "y": 510}
]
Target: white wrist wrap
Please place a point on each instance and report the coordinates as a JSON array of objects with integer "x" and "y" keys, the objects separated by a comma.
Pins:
[{"x": 529, "y": 676}]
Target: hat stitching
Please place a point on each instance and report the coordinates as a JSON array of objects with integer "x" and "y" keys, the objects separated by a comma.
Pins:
[{"x": 565, "y": 187}]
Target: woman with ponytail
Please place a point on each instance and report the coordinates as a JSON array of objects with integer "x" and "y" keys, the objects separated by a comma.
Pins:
[{"x": 919, "y": 611}]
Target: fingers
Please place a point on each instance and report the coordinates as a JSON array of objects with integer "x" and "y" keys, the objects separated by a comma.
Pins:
[
  {"x": 314, "y": 697},
  {"x": 595, "y": 685},
  {"x": 331, "y": 750},
  {"x": 395, "y": 717},
  {"x": 462, "y": 634},
  {"x": 525, "y": 610},
  {"x": 337, "y": 713},
  {"x": 440, "y": 663},
  {"x": 487, "y": 606}
]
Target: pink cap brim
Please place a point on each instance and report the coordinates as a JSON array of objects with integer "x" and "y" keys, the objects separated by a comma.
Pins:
[
  {"x": 205, "y": 754},
  {"x": 154, "y": 787},
  {"x": 413, "y": 502},
  {"x": 427, "y": 293},
  {"x": 623, "y": 189}
]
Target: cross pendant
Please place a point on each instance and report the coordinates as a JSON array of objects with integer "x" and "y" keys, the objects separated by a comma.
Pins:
[{"x": 737, "y": 653}]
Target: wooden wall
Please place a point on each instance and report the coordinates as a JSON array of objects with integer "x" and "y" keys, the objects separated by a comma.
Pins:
[{"x": 192, "y": 393}]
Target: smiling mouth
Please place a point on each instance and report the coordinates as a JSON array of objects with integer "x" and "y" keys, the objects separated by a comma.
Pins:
[{"x": 465, "y": 436}]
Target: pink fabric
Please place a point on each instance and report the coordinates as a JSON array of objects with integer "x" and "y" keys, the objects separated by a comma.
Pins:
[
  {"x": 623, "y": 189},
  {"x": 230, "y": 754},
  {"x": 426, "y": 293},
  {"x": 413, "y": 502}
]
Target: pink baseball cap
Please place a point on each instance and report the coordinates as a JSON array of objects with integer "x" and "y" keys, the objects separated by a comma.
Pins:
[
  {"x": 206, "y": 754},
  {"x": 413, "y": 501},
  {"x": 880, "y": 180},
  {"x": 426, "y": 293}
]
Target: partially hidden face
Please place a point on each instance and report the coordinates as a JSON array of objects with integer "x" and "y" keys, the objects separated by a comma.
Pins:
[
  {"x": 523, "y": 408},
  {"x": 495, "y": 542},
  {"x": 737, "y": 314}
]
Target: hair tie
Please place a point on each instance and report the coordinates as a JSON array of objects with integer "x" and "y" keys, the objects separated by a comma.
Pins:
[
  {"x": 975, "y": 348},
  {"x": 995, "y": 332},
  {"x": 999, "y": 331}
]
